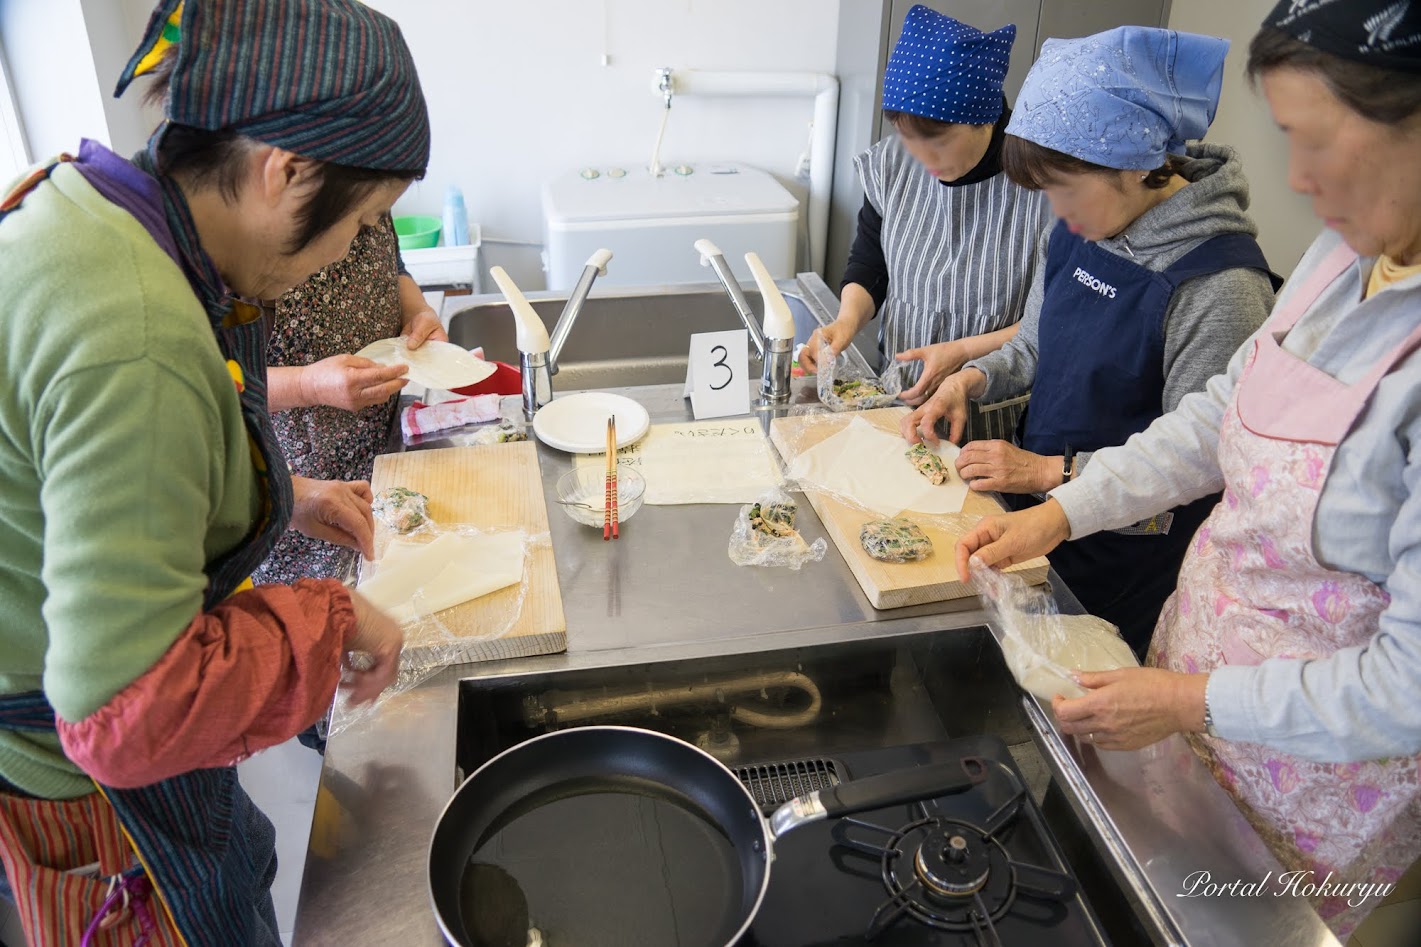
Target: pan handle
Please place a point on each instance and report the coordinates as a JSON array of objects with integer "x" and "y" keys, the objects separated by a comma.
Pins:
[{"x": 876, "y": 792}]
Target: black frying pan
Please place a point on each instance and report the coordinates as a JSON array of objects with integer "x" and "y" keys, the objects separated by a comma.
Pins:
[{"x": 626, "y": 835}]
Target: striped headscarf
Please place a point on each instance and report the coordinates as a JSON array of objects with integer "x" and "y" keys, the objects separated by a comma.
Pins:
[{"x": 327, "y": 79}]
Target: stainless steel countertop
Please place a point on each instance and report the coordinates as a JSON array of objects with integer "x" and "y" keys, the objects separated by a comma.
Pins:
[{"x": 667, "y": 590}]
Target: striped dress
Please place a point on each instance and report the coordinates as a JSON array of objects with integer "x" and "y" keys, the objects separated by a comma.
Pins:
[{"x": 960, "y": 259}]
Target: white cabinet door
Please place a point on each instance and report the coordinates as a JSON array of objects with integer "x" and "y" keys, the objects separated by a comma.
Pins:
[{"x": 1065, "y": 19}]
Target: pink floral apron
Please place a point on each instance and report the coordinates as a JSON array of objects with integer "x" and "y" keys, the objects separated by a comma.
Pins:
[{"x": 1251, "y": 588}]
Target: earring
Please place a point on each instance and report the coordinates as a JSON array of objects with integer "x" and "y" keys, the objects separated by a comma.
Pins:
[{"x": 1144, "y": 177}]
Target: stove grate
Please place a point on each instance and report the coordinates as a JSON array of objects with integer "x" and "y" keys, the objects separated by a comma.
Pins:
[{"x": 773, "y": 784}]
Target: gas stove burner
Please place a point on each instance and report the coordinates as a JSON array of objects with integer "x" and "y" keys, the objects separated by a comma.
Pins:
[
  {"x": 946, "y": 874},
  {"x": 950, "y": 865},
  {"x": 955, "y": 875}
]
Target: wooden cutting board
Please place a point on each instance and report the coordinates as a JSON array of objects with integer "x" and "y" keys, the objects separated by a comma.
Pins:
[
  {"x": 496, "y": 486},
  {"x": 888, "y": 584}
]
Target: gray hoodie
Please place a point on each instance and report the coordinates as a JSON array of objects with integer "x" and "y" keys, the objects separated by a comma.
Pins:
[{"x": 1208, "y": 317}]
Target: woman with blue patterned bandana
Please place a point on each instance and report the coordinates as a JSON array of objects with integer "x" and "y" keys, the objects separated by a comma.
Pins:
[
  {"x": 1152, "y": 280},
  {"x": 946, "y": 244},
  {"x": 142, "y": 482}
]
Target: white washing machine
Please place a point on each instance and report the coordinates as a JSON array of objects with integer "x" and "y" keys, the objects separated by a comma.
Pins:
[{"x": 651, "y": 224}]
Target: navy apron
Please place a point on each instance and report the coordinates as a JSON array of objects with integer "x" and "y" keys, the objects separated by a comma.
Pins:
[
  {"x": 1100, "y": 379},
  {"x": 208, "y": 850}
]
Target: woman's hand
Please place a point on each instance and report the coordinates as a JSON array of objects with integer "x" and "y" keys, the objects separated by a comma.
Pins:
[
  {"x": 1133, "y": 707},
  {"x": 378, "y": 636},
  {"x": 839, "y": 334},
  {"x": 336, "y": 511},
  {"x": 1005, "y": 540},
  {"x": 1006, "y": 468},
  {"x": 950, "y": 402},
  {"x": 421, "y": 326},
  {"x": 939, "y": 361},
  {"x": 350, "y": 382}
]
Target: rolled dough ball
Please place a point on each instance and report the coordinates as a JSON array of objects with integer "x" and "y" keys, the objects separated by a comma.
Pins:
[
  {"x": 1086, "y": 643},
  {"x": 401, "y": 509},
  {"x": 927, "y": 463},
  {"x": 895, "y": 540}
]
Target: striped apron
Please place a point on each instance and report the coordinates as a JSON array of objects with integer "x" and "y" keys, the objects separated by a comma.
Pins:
[
  {"x": 960, "y": 259},
  {"x": 196, "y": 840}
]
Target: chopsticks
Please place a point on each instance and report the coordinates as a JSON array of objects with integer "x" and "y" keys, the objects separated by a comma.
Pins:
[
  {"x": 616, "y": 514},
  {"x": 610, "y": 525}
]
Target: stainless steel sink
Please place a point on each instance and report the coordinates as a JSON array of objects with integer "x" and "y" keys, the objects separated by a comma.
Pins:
[
  {"x": 630, "y": 335},
  {"x": 875, "y": 692}
]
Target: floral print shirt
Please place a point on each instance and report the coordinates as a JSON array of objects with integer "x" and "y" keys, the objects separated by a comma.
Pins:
[{"x": 340, "y": 310}]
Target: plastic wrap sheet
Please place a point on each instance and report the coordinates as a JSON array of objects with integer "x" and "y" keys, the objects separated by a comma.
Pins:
[
  {"x": 777, "y": 542},
  {"x": 1043, "y": 647},
  {"x": 423, "y": 581},
  {"x": 725, "y": 461},
  {"x": 865, "y": 467},
  {"x": 835, "y": 373}
]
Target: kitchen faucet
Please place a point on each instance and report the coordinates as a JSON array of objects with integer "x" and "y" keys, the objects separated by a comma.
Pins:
[
  {"x": 538, "y": 354},
  {"x": 664, "y": 84},
  {"x": 775, "y": 341}
]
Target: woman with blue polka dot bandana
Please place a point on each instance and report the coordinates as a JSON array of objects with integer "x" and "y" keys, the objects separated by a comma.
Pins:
[{"x": 946, "y": 245}]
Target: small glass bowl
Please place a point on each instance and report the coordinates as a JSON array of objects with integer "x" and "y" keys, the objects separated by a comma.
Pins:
[{"x": 582, "y": 492}]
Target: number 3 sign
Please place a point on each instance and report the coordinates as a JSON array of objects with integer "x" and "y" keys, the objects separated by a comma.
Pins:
[{"x": 716, "y": 375}]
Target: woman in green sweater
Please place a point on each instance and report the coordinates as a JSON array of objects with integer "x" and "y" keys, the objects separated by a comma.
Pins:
[{"x": 140, "y": 483}]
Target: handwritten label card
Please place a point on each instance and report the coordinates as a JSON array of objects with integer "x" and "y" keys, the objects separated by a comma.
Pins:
[
  {"x": 701, "y": 462},
  {"x": 716, "y": 374}
]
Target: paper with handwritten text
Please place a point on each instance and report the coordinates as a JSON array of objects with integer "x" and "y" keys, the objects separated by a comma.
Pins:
[{"x": 727, "y": 461}]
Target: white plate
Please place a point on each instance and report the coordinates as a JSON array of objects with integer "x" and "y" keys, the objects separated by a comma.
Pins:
[
  {"x": 433, "y": 365},
  {"x": 578, "y": 423}
]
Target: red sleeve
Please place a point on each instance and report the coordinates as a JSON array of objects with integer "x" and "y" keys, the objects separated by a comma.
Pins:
[{"x": 251, "y": 673}]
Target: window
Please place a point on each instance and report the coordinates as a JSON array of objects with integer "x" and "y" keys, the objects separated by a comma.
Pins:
[{"x": 14, "y": 153}]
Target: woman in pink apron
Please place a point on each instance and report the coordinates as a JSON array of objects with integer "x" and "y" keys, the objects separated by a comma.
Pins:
[{"x": 1290, "y": 654}]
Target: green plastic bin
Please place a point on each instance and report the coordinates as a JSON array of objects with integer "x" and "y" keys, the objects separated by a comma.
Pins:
[{"x": 417, "y": 232}]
